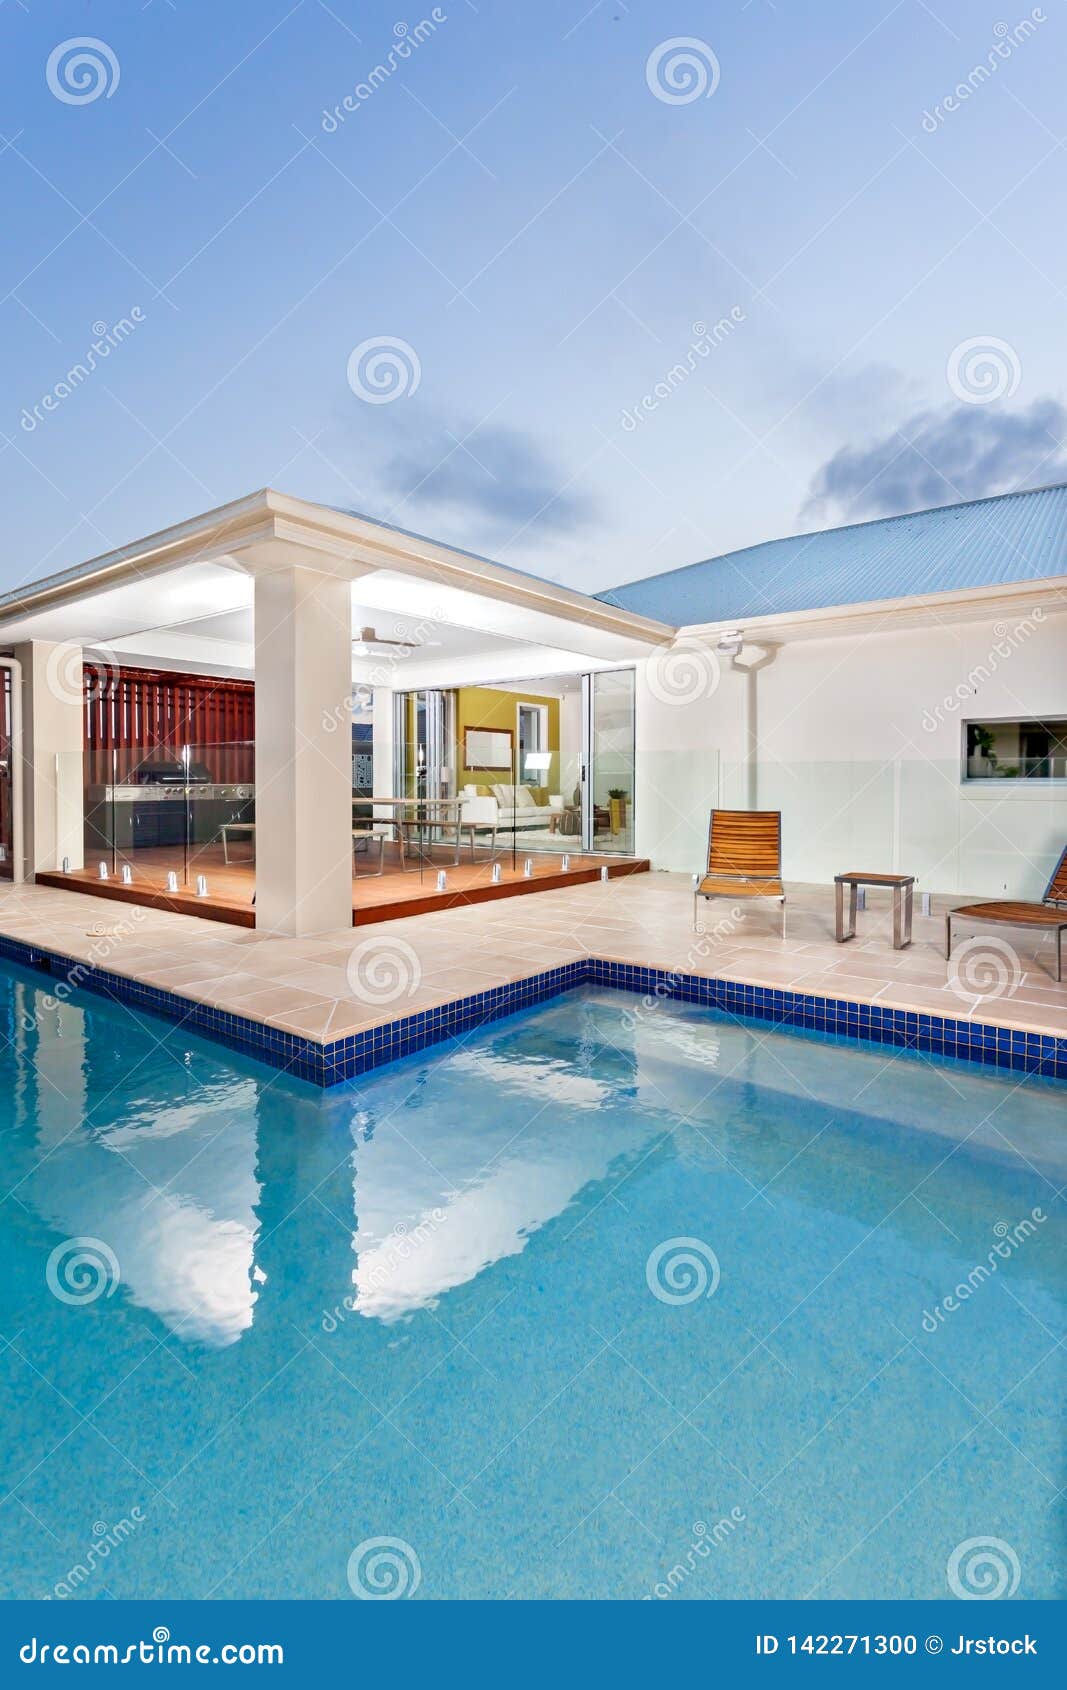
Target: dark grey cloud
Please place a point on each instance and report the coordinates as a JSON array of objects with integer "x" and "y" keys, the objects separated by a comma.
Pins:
[
  {"x": 493, "y": 481},
  {"x": 940, "y": 457}
]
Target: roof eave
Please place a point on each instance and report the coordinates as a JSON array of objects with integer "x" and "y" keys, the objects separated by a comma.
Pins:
[{"x": 916, "y": 610}]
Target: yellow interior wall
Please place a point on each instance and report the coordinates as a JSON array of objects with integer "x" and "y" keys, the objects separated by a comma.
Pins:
[{"x": 485, "y": 707}]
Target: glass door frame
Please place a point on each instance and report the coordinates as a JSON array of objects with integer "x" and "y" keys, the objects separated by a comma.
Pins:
[{"x": 589, "y": 748}]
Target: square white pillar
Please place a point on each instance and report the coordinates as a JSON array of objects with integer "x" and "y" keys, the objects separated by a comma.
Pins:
[
  {"x": 53, "y": 741},
  {"x": 303, "y": 623}
]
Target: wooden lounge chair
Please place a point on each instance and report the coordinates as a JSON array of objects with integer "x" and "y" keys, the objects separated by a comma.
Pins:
[
  {"x": 744, "y": 858},
  {"x": 1050, "y": 914}
]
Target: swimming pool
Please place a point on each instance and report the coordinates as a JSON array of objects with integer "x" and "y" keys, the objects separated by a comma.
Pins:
[{"x": 605, "y": 1301}]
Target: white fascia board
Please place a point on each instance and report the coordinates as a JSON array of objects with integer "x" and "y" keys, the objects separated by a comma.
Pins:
[{"x": 972, "y": 604}]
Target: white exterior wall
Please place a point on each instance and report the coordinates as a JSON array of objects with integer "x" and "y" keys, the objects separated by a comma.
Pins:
[{"x": 860, "y": 740}]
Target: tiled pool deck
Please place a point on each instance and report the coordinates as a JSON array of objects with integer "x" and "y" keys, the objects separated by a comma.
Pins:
[{"x": 335, "y": 1005}]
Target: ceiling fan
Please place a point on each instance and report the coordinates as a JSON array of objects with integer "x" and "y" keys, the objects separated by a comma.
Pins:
[{"x": 367, "y": 641}]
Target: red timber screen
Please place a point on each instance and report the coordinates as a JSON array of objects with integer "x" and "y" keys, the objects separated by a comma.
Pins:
[{"x": 135, "y": 716}]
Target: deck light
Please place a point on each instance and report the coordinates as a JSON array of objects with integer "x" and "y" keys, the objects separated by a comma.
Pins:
[
  {"x": 442, "y": 880},
  {"x": 527, "y": 869},
  {"x": 102, "y": 871},
  {"x": 565, "y": 864},
  {"x": 496, "y": 874},
  {"x": 201, "y": 886},
  {"x": 127, "y": 875},
  {"x": 172, "y": 881},
  {"x": 66, "y": 865},
  {"x": 604, "y": 874}
]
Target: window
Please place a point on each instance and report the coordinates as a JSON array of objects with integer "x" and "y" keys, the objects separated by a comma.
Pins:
[{"x": 1031, "y": 750}]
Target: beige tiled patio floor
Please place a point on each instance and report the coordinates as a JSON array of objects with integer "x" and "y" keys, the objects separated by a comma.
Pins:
[{"x": 341, "y": 982}]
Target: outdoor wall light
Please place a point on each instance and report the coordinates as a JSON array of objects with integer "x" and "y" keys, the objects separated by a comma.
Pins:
[
  {"x": 172, "y": 881},
  {"x": 731, "y": 642},
  {"x": 201, "y": 886}
]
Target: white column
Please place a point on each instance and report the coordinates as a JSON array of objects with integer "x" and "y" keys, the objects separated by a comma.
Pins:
[
  {"x": 303, "y": 751},
  {"x": 382, "y": 724},
  {"x": 53, "y": 739}
]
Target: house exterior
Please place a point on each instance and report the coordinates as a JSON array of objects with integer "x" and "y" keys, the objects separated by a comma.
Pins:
[{"x": 898, "y": 689}]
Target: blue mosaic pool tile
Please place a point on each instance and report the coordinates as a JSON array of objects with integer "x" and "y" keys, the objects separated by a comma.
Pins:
[{"x": 344, "y": 1059}]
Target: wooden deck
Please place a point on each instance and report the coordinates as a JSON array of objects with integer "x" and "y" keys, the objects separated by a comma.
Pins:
[{"x": 384, "y": 897}]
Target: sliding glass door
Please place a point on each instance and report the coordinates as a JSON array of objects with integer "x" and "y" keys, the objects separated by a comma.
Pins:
[{"x": 608, "y": 797}]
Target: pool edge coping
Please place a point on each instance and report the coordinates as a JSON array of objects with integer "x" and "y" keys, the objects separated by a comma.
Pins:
[{"x": 329, "y": 1064}]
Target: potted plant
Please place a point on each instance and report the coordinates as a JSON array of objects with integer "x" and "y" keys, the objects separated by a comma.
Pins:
[{"x": 617, "y": 796}]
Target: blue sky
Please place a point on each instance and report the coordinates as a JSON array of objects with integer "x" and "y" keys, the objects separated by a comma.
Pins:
[{"x": 515, "y": 203}]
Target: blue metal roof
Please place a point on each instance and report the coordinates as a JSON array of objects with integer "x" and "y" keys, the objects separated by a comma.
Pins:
[{"x": 1012, "y": 537}]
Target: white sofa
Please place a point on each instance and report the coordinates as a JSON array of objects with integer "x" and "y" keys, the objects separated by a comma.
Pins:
[{"x": 517, "y": 809}]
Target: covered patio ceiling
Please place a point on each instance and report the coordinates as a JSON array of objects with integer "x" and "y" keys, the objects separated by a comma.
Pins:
[{"x": 184, "y": 599}]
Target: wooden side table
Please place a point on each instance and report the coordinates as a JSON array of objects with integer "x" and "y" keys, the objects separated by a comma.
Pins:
[{"x": 902, "y": 887}]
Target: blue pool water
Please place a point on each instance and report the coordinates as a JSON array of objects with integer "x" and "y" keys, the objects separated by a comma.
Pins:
[{"x": 607, "y": 1301}]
